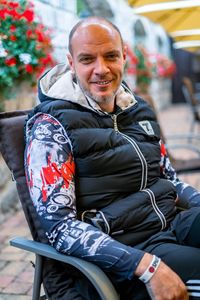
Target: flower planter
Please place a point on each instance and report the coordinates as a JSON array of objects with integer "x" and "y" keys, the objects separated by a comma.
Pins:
[
  {"x": 25, "y": 53},
  {"x": 21, "y": 97}
]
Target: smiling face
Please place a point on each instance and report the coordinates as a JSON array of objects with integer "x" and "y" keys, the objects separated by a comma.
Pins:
[{"x": 97, "y": 61}]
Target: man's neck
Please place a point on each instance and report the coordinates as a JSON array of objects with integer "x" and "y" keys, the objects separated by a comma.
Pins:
[{"x": 108, "y": 107}]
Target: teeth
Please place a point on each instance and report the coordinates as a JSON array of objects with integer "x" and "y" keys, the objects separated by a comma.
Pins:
[{"x": 102, "y": 82}]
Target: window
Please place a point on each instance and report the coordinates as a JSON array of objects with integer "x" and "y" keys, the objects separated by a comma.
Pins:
[{"x": 139, "y": 32}]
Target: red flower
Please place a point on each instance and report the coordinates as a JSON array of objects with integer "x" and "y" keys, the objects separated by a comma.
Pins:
[
  {"x": 40, "y": 71},
  {"x": 30, "y": 34},
  {"x": 14, "y": 14},
  {"x": 13, "y": 4},
  {"x": 13, "y": 38},
  {"x": 29, "y": 68},
  {"x": 47, "y": 60},
  {"x": 3, "y": 13},
  {"x": 13, "y": 28},
  {"x": 40, "y": 36},
  {"x": 11, "y": 61},
  {"x": 28, "y": 15}
]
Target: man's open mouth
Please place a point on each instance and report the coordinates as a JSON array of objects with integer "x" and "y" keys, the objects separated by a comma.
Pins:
[{"x": 102, "y": 82}]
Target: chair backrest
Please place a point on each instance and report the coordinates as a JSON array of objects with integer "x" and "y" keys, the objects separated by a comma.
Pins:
[
  {"x": 12, "y": 149},
  {"x": 180, "y": 165},
  {"x": 189, "y": 95},
  {"x": 59, "y": 279}
]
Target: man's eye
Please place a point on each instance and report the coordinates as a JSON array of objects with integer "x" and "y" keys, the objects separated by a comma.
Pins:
[
  {"x": 112, "y": 56},
  {"x": 86, "y": 60}
]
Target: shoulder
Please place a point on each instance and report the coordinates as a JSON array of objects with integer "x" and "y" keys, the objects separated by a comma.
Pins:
[
  {"x": 43, "y": 126},
  {"x": 144, "y": 109}
]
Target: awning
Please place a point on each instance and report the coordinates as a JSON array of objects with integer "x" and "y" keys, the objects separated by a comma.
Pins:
[{"x": 181, "y": 19}]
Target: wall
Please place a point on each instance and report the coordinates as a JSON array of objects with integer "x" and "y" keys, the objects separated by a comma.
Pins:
[{"x": 60, "y": 16}]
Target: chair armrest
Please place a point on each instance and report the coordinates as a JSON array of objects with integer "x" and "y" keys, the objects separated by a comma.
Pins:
[
  {"x": 189, "y": 147},
  {"x": 97, "y": 277},
  {"x": 187, "y": 141},
  {"x": 184, "y": 136}
]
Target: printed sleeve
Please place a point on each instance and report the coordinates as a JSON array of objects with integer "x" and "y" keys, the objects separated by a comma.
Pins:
[
  {"x": 188, "y": 196},
  {"x": 50, "y": 173},
  {"x": 166, "y": 169}
]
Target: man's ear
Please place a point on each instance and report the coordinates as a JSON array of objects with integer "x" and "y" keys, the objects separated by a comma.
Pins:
[
  {"x": 124, "y": 53},
  {"x": 71, "y": 62}
]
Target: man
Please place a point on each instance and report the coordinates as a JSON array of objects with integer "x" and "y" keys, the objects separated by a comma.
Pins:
[{"x": 93, "y": 168}]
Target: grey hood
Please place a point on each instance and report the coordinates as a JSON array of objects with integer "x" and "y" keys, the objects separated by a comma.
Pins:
[{"x": 58, "y": 83}]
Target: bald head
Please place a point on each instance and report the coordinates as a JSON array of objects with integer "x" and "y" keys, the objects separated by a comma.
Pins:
[
  {"x": 92, "y": 21},
  {"x": 96, "y": 59}
]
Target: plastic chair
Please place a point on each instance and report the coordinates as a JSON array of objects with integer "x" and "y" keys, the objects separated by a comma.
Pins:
[
  {"x": 192, "y": 101},
  {"x": 12, "y": 149}
]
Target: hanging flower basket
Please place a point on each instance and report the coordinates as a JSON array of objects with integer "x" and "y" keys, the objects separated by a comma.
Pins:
[
  {"x": 164, "y": 67},
  {"x": 144, "y": 69},
  {"x": 25, "y": 47}
]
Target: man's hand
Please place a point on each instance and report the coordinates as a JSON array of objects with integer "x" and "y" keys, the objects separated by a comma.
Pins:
[{"x": 165, "y": 283}]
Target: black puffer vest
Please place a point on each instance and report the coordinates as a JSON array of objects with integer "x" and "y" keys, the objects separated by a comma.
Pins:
[{"x": 117, "y": 167}]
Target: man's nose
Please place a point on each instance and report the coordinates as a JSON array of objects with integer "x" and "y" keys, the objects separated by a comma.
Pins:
[{"x": 101, "y": 67}]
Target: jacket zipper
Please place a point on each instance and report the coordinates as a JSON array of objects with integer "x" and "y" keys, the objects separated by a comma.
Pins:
[
  {"x": 144, "y": 174},
  {"x": 138, "y": 151},
  {"x": 156, "y": 208}
]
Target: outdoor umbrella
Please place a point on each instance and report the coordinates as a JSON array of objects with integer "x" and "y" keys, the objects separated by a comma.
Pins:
[{"x": 181, "y": 19}]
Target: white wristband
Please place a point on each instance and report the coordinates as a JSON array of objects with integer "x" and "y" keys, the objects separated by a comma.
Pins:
[{"x": 150, "y": 271}]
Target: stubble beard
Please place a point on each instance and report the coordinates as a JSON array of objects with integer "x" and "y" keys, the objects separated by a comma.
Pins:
[{"x": 97, "y": 99}]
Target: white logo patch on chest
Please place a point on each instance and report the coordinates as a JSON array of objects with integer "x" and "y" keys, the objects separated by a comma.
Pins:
[{"x": 146, "y": 126}]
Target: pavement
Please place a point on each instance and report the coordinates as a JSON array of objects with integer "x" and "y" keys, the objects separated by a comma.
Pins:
[{"x": 16, "y": 271}]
